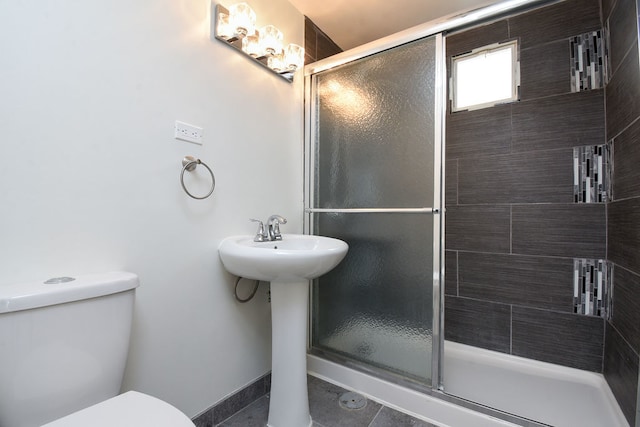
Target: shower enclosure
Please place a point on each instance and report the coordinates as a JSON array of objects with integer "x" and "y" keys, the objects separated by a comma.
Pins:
[
  {"x": 374, "y": 181},
  {"x": 374, "y": 178}
]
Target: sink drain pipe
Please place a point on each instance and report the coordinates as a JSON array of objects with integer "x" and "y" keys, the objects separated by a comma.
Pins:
[{"x": 253, "y": 293}]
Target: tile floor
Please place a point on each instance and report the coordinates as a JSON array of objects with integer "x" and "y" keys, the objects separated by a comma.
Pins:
[{"x": 327, "y": 412}]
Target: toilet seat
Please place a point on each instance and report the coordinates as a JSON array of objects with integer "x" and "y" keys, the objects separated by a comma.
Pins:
[{"x": 130, "y": 409}]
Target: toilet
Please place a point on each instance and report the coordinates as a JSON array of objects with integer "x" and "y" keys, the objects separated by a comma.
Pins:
[{"x": 63, "y": 350}]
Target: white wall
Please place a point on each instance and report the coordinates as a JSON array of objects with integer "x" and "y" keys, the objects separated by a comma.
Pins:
[{"x": 89, "y": 92}]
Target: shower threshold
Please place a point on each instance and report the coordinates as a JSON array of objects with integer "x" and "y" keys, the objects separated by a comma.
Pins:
[{"x": 490, "y": 389}]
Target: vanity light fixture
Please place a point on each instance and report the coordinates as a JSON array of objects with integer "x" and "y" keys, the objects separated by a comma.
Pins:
[{"x": 236, "y": 27}]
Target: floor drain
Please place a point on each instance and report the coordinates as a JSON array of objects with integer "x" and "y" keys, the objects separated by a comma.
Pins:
[{"x": 353, "y": 400}]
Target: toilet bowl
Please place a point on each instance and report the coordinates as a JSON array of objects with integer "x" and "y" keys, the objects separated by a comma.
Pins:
[
  {"x": 63, "y": 349},
  {"x": 131, "y": 409}
]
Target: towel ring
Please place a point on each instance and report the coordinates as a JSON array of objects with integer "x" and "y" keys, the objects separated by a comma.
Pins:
[{"x": 189, "y": 163}]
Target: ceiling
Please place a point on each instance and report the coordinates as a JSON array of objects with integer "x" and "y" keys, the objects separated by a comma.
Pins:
[{"x": 353, "y": 23}]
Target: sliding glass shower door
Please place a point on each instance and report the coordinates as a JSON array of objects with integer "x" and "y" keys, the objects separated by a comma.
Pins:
[{"x": 374, "y": 180}]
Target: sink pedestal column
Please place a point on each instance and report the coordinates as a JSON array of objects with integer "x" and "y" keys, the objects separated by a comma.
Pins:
[{"x": 289, "y": 401}]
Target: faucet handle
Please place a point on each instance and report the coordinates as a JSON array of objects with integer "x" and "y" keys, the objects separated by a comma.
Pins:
[{"x": 261, "y": 235}]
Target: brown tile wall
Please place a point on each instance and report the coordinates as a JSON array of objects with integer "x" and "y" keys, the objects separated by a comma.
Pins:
[
  {"x": 512, "y": 227},
  {"x": 622, "y": 99},
  {"x": 317, "y": 45}
]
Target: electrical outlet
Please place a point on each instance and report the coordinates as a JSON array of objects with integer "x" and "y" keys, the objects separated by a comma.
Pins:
[{"x": 187, "y": 132}]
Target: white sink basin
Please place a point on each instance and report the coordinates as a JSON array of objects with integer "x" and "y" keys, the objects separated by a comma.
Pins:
[{"x": 296, "y": 257}]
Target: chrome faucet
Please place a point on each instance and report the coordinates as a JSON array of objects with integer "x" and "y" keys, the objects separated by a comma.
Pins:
[
  {"x": 273, "y": 229},
  {"x": 273, "y": 226}
]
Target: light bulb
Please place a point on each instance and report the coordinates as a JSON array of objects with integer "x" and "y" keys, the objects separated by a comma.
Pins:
[
  {"x": 293, "y": 57},
  {"x": 251, "y": 46},
  {"x": 270, "y": 40},
  {"x": 242, "y": 19},
  {"x": 223, "y": 29},
  {"x": 275, "y": 63}
]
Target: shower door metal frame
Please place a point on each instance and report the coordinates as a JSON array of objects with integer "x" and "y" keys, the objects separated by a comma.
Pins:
[{"x": 438, "y": 200}]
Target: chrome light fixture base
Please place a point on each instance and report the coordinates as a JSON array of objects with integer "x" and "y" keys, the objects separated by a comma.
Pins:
[{"x": 235, "y": 41}]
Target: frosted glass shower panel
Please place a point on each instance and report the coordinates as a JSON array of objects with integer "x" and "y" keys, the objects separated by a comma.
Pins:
[
  {"x": 375, "y": 130},
  {"x": 375, "y": 184},
  {"x": 377, "y": 306}
]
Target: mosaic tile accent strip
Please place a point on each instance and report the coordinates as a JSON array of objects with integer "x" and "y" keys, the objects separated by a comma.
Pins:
[
  {"x": 591, "y": 173},
  {"x": 587, "y": 61},
  {"x": 592, "y": 286}
]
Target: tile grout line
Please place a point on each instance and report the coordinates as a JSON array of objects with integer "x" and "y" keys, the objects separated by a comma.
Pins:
[{"x": 376, "y": 416}]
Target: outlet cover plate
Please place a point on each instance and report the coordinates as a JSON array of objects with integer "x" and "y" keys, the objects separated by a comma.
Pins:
[{"x": 187, "y": 132}]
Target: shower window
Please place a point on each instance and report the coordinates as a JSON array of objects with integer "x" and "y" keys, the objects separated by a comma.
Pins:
[{"x": 485, "y": 77}]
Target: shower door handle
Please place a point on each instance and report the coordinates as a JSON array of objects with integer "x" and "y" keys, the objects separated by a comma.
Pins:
[{"x": 373, "y": 210}]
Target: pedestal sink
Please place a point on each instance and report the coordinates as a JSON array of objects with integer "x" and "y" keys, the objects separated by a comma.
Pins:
[{"x": 288, "y": 264}]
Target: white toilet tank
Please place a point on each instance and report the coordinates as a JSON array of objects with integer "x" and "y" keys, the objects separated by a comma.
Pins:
[{"x": 63, "y": 346}]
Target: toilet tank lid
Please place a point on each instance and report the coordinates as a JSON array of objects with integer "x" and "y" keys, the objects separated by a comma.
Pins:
[{"x": 25, "y": 296}]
